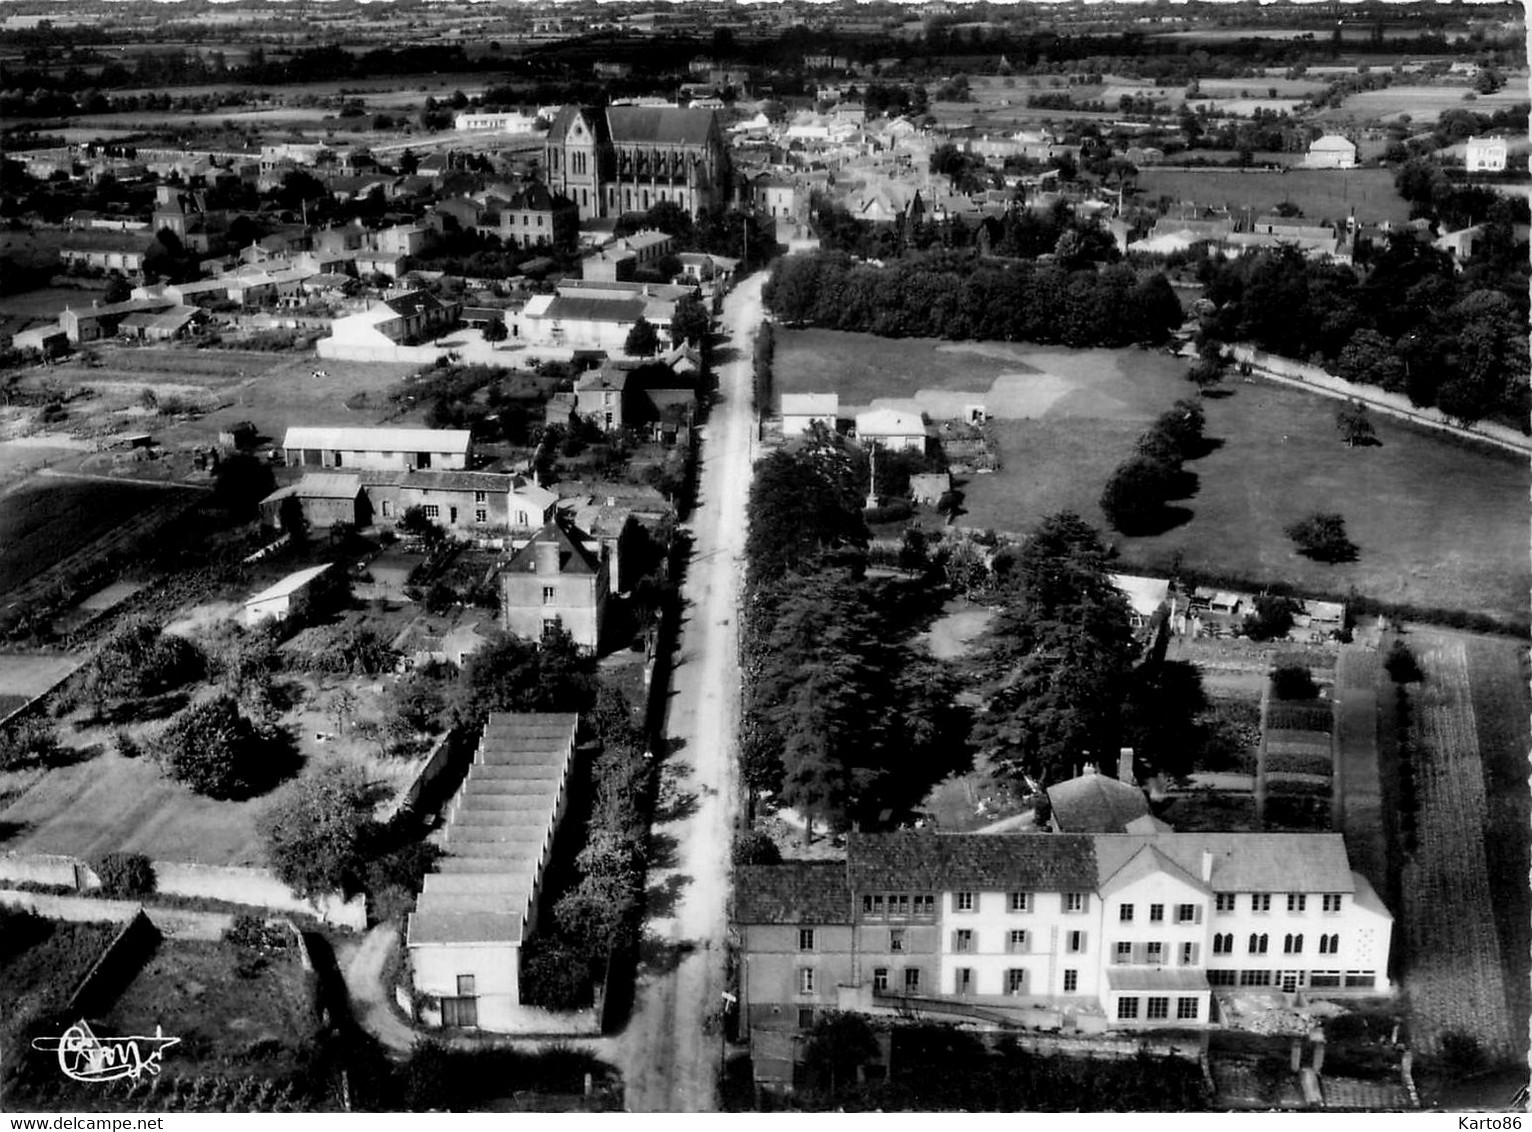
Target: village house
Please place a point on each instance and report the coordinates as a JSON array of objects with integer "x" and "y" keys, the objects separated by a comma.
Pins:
[
  {"x": 1331, "y": 152},
  {"x": 1088, "y": 932},
  {"x": 893, "y": 430},
  {"x": 600, "y": 396},
  {"x": 105, "y": 251},
  {"x": 504, "y": 121},
  {"x": 402, "y": 318},
  {"x": 320, "y": 500},
  {"x": 596, "y": 315},
  {"x": 537, "y": 217},
  {"x": 377, "y": 448},
  {"x": 561, "y": 576},
  {"x": 801, "y": 410},
  {"x": 90, "y": 324},
  {"x": 1486, "y": 154},
  {"x": 478, "y": 905}
]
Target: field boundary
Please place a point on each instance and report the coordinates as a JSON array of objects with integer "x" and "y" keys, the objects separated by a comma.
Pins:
[{"x": 1287, "y": 371}]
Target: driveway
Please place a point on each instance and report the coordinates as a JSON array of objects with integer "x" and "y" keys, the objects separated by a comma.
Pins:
[{"x": 669, "y": 1054}]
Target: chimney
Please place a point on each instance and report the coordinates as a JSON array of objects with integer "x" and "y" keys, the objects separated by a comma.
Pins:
[
  {"x": 1125, "y": 766},
  {"x": 1207, "y": 866},
  {"x": 547, "y": 557}
]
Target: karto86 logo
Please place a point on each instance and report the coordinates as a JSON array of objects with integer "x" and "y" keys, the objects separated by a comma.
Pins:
[{"x": 85, "y": 1057}]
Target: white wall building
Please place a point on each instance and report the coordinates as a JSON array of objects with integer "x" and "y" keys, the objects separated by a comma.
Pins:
[
  {"x": 398, "y": 449},
  {"x": 1486, "y": 155},
  {"x": 800, "y": 410}
]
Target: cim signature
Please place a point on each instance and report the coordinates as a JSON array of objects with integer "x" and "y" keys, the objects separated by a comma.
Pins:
[{"x": 85, "y": 1057}]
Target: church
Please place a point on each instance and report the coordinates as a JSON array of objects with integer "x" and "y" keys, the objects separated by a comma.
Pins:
[{"x": 629, "y": 158}]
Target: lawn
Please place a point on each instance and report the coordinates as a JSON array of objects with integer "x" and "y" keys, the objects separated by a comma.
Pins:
[
  {"x": 1322, "y": 194},
  {"x": 49, "y": 519},
  {"x": 48, "y": 302}
]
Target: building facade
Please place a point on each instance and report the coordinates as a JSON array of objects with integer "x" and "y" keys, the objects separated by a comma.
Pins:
[
  {"x": 559, "y": 577},
  {"x": 630, "y": 158},
  {"x": 397, "y": 449},
  {"x": 1084, "y": 932}
]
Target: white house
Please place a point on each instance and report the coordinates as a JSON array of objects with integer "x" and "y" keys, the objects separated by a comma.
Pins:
[
  {"x": 894, "y": 430},
  {"x": 285, "y": 598},
  {"x": 1331, "y": 152},
  {"x": 506, "y": 121},
  {"x": 800, "y": 410},
  {"x": 1486, "y": 155},
  {"x": 479, "y": 904},
  {"x": 399, "y": 449}
]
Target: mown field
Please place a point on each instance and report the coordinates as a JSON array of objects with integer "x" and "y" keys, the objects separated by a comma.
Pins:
[
  {"x": 1424, "y": 104},
  {"x": 1439, "y": 522},
  {"x": 1322, "y": 194}
]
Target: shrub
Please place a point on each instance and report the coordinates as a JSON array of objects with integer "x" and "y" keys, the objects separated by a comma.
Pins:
[
  {"x": 26, "y": 742},
  {"x": 125, "y": 874},
  {"x": 212, "y": 748},
  {"x": 1402, "y": 666},
  {"x": 1322, "y": 537},
  {"x": 1293, "y": 682},
  {"x": 755, "y": 848}
]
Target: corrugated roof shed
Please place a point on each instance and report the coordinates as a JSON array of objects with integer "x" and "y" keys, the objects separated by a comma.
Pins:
[{"x": 379, "y": 439}]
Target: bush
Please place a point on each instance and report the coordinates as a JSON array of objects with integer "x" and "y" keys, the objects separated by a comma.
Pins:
[
  {"x": 125, "y": 874},
  {"x": 1293, "y": 682},
  {"x": 755, "y": 848},
  {"x": 212, "y": 748},
  {"x": 1322, "y": 537},
  {"x": 1402, "y": 666},
  {"x": 895, "y": 511},
  {"x": 30, "y": 741}
]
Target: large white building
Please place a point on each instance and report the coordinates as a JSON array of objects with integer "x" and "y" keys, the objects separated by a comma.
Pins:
[
  {"x": 1331, "y": 152},
  {"x": 1486, "y": 155},
  {"x": 1090, "y": 931},
  {"x": 381, "y": 449}
]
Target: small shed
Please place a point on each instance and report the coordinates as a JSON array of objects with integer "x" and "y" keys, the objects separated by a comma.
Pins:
[
  {"x": 284, "y": 599},
  {"x": 800, "y": 410}
]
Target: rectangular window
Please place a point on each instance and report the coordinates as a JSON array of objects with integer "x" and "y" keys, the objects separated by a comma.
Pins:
[
  {"x": 880, "y": 979},
  {"x": 805, "y": 980},
  {"x": 550, "y": 595},
  {"x": 431, "y": 511},
  {"x": 1324, "y": 979},
  {"x": 912, "y": 980},
  {"x": 1222, "y": 978},
  {"x": 1021, "y": 902},
  {"x": 1297, "y": 902},
  {"x": 962, "y": 940},
  {"x": 481, "y": 516},
  {"x": 1186, "y": 913},
  {"x": 1127, "y": 1007},
  {"x": 388, "y": 509},
  {"x": 1074, "y": 901},
  {"x": 1154, "y": 953},
  {"x": 896, "y": 939},
  {"x": 925, "y": 905},
  {"x": 1125, "y": 913},
  {"x": 1332, "y": 902},
  {"x": 1260, "y": 902},
  {"x": 806, "y": 1019},
  {"x": 1223, "y": 902},
  {"x": 465, "y": 985},
  {"x": 481, "y": 497},
  {"x": 1190, "y": 953},
  {"x": 1255, "y": 978},
  {"x": 1071, "y": 980},
  {"x": 1075, "y": 942},
  {"x": 1122, "y": 953},
  {"x": 1016, "y": 981},
  {"x": 1156, "y": 913},
  {"x": 962, "y": 902},
  {"x": 899, "y": 905},
  {"x": 1360, "y": 978},
  {"x": 460, "y": 1012},
  {"x": 877, "y": 905},
  {"x": 805, "y": 939},
  {"x": 1157, "y": 1008},
  {"x": 962, "y": 980},
  {"x": 1187, "y": 1008},
  {"x": 1016, "y": 943}
]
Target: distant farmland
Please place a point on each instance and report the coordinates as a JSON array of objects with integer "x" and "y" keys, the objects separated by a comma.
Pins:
[{"x": 1322, "y": 194}]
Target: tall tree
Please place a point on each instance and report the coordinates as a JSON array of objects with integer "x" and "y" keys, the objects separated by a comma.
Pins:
[{"x": 313, "y": 831}]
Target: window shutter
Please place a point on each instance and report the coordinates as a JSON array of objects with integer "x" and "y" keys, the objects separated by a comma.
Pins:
[{"x": 1198, "y": 917}]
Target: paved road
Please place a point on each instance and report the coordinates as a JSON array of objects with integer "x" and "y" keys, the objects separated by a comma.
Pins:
[{"x": 669, "y": 1060}]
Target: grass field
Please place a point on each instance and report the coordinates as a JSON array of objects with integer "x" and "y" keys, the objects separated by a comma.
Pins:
[
  {"x": 47, "y": 302},
  {"x": 1424, "y": 104},
  {"x": 49, "y": 519},
  {"x": 1322, "y": 194},
  {"x": 1439, "y": 522},
  {"x": 43, "y": 960}
]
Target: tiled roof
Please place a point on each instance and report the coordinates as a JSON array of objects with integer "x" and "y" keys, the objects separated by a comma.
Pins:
[
  {"x": 379, "y": 439},
  {"x": 596, "y": 310},
  {"x": 1094, "y": 803},
  {"x": 317, "y": 485},
  {"x": 794, "y": 892},
  {"x": 1243, "y": 862},
  {"x": 537, "y": 197},
  {"x": 937, "y": 862},
  {"x": 573, "y": 557},
  {"x": 663, "y": 125},
  {"x": 427, "y": 480}
]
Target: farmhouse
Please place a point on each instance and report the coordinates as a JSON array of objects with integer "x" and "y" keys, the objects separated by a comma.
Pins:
[
  {"x": 1331, "y": 152},
  {"x": 1094, "y": 803},
  {"x": 89, "y": 324},
  {"x": 465, "y": 503},
  {"x": 893, "y": 430},
  {"x": 377, "y": 448},
  {"x": 406, "y": 317},
  {"x": 600, "y": 396},
  {"x": 479, "y": 904},
  {"x": 162, "y": 326},
  {"x": 105, "y": 251},
  {"x": 1090, "y": 932},
  {"x": 562, "y": 577},
  {"x": 586, "y": 315},
  {"x": 800, "y": 410},
  {"x": 291, "y": 596}
]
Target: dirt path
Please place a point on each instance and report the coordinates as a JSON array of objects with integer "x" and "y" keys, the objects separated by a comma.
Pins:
[
  {"x": 669, "y": 1059},
  {"x": 361, "y": 963}
]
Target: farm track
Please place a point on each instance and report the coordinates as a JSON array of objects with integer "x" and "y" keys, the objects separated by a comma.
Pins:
[{"x": 1455, "y": 980}]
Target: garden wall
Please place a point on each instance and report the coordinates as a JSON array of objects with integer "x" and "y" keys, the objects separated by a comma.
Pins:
[
  {"x": 173, "y": 923},
  {"x": 1394, "y": 404},
  {"x": 115, "y": 967}
]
